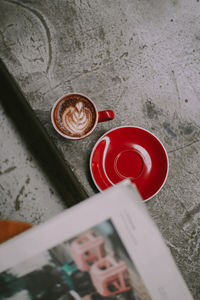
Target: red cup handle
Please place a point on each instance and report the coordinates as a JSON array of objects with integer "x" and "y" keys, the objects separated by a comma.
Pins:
[{"x": 106, "y": 115}]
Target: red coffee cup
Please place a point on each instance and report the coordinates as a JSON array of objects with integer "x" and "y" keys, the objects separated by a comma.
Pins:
[{"x": 75, "y": 116}]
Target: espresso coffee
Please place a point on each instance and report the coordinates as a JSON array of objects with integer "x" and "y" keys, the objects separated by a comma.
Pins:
[{"x": 75, "y": 115}]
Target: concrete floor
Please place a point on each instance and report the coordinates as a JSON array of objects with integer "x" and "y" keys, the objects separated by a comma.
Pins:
[
  {"x": 139, "y": 58},
  {"x": 25, "y": 192}
]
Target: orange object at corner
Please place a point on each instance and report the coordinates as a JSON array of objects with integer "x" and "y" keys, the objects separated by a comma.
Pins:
[{"x": 11, "y": 228}]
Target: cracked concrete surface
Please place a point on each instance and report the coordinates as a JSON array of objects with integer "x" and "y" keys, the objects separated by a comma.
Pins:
[{"x": 140, "y": 58}]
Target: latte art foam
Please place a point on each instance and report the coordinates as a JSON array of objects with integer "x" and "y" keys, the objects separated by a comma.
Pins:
[
  {"x": 77, "y": 119},
  {"x": 75, "y": 115}
]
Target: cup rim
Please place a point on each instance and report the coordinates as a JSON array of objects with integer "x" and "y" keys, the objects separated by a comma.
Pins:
[{"x": 65, "y": 135}]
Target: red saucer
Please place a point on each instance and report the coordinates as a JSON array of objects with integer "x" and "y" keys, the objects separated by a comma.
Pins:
[{"x": 130, "y": 152}]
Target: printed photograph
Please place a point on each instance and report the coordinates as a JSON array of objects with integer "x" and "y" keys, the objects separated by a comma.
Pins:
[{"x": 93, "y": 265}]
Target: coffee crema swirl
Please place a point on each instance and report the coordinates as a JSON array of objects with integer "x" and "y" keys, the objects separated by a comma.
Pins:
[
  {"x": 76, "y": 119},
  {"x": 75, "y": 116}
]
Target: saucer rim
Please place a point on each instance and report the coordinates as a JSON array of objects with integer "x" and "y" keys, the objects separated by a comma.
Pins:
[{"x": 136, "y": 127}]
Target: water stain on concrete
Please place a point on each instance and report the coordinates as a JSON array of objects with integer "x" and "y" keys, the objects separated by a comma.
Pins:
[
  {"x": 150, "y": 110},
  {"x": 197, "y": 37},
  {"x": 78, "y": 44},
  {"x": 51, "y": 191},
  {"x": 116, "y": 79},
  {"x": 169, "y": 130},
  {"x": 174, "y": 2},
  {"x": 27, "y": 180},
  {"x": 186, "y": 129}
]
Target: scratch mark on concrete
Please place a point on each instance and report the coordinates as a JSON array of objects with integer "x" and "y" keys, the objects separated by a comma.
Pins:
[
  {"x": 45, "y": 26},
  {"x": 2, "y": 187},
  {"x": 3, "y": 40},
  {"x": 183, "y": 147},
  {"x": 124, "y": 54},
  {"x": 8, "y": 170},
  {"x": 175, "y": 83},
  {"x": 101, "y": 33},
  {"x": 172, "y": 246},
  {"x": 17, "y": 200},
  {"x": 180, "y": 202},
  {"x": 190, "y": 214}
]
